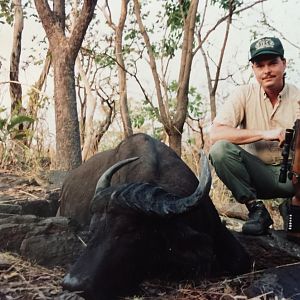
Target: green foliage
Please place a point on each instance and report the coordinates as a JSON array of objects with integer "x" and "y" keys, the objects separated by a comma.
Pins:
[
  {"x": 225, "y": 3},
  {"x": 103, "y": 60},
  {"x": 158, "y": 133},
  {"x": 176, "y": 13},
  {"x": 131, "y": 34},
  {"x": 9, "y": 127},
  {"x": 13, "y": 147},
  {"x": 147, "y": 113},
  {"x": 6, "y": 12},
  {"x": 195, "y": 104},
  {"x": 195, "y": 100},
  {"x": 191, "y": 141},
  {"x": 138, "y": 120}
]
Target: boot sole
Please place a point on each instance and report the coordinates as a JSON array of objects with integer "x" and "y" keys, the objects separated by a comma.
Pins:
[{"x": 265, "y": 231}]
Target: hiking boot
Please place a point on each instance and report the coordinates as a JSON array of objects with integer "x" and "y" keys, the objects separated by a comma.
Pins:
[{"x": 259, "y": 219}]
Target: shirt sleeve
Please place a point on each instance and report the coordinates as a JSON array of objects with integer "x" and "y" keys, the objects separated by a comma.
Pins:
[{"x": 232, "y": 112}]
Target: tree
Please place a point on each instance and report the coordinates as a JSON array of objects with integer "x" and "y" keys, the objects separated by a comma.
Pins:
[
  {"x": 90, "y": 89},
  {"x": 231, "y": 7},
  {"x": 15, "y": 86},
  {"x": 36, "y": 98},
  {"x": 64, "y": 51},
  {"x": 183, "y": 25},
  {"x": 119, "y": 28},
  {"x": 174, "y": 123}
]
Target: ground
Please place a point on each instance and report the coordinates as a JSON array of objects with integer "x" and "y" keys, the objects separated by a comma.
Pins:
[{"x": 24, "y": 279}]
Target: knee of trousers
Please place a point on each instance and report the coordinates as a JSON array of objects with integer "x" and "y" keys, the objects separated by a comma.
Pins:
[{"x": 220, "y": 151}]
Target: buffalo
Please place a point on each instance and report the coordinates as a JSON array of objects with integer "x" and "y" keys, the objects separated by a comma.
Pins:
[{"x": 148, "y": 217}]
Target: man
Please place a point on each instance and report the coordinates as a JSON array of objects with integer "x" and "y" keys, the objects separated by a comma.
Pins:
[{"x": 248, "y": 131}]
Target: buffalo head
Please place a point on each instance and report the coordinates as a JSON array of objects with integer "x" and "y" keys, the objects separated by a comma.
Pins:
[{"x": 139, "y": 230}]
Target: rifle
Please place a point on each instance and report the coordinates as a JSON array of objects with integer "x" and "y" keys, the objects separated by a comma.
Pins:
[
  {"x": 287, "y": 169},
  {"x": 296, "y": 160}
]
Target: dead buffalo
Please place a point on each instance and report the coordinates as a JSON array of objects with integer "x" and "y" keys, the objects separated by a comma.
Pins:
[{"x": 162, "y": 224}]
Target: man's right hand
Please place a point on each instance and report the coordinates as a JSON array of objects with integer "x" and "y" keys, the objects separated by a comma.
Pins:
[{"x": 277, "y": 134}]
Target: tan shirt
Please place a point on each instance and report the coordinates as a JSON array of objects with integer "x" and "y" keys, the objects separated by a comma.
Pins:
[{"x": 250, "y": 108}]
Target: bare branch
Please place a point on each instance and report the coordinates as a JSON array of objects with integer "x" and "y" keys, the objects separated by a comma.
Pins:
[
  {"x": 165, "y": 118},
  {"x": 279, "y": 32},
  {"x": 220, "y": 21}
]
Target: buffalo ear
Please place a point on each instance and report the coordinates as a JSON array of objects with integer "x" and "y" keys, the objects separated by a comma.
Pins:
[{"x": 101, "y": 200}]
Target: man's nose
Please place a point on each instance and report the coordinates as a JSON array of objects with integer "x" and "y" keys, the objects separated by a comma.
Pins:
[{"x": 266, "y": 69}]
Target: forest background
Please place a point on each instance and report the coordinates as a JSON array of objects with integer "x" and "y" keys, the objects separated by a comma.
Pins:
[{"x": 76, "y": 77}]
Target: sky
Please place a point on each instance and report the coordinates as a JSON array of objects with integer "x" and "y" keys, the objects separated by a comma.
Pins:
[{"x": 282, "y": 15}]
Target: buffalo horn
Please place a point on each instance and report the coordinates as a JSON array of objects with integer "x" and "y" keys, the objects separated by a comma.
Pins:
[
  {"x": 105, "y": 179},
  {"x": 186, "y": 203},
  {"x": 153, "y": 200},
  {"x": 167, "y": 204}
]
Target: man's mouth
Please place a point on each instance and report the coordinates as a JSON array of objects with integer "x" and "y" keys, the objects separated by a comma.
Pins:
[{"x": 269, "y": 77}]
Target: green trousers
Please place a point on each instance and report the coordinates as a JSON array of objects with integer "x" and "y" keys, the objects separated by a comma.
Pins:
[{"x": 245, "y": 175}]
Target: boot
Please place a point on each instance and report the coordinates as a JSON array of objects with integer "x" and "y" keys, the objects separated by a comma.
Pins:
[{"x": 259, "y": 219}]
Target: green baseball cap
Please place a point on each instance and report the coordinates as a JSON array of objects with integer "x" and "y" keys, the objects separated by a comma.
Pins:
[{"x": 266, "y": 45}]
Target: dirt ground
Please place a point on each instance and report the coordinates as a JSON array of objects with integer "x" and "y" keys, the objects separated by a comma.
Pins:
[{"x": 23, "y": 279}]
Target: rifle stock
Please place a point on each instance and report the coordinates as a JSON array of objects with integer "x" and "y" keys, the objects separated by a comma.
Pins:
[{"x": 295, "y": 168}]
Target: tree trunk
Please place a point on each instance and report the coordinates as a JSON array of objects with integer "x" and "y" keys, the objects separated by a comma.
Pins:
[
  {"x": 90, "y": 111},
  {"x": 175, "y": 141},
  {"x": 126, "y": 121},
  {"x": 67, "y": 125},
  {"x": 164, "y": 116},
  {"x": 16, "y": 88},
  {"x": 64, "y": 52},
  {"x": 184, "y": 76},
  {"x": 35, "y": 98},
  {"x": 173, "y": 125},
  {"x": 121, "y": 71}
]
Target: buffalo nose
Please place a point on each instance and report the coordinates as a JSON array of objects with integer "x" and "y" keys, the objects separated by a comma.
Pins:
[{"x": 72, "y": 284}]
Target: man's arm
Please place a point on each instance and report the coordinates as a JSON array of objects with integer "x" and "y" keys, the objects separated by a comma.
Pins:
[{"x": 244, "y": 136}]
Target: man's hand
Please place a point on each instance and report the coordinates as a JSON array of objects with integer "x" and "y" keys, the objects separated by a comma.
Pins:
[{"x": 277, "y": 134}]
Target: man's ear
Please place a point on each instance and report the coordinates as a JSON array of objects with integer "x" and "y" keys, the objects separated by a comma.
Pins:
[{"x": 284, "y": 61}]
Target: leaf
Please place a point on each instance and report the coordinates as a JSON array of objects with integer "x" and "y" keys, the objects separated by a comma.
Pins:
[
  {"x": 20, "y": 136},
  {"x": 2, "y": 123},
  {"x": 19, "y": 119}
]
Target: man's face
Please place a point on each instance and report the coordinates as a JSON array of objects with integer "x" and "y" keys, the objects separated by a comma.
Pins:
[{"x": 269, "y": 71}]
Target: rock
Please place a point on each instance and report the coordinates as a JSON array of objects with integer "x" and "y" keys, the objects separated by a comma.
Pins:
[
  {"x": 52, "y": 179},
  {"x": 10, "y": 209},
  {"x": 47, "y": 241},
  {"x": 270, "y": 250},
  {"x": 4, "y": 264},
  {"x": 13, "y": 230},
  {"x": 40, "y": 208},
  {"x": 233, "y": 210},
  {"x": 277, "y": 283},
  {"x": 52, "y": 249}
]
